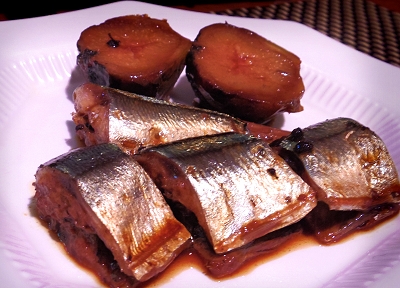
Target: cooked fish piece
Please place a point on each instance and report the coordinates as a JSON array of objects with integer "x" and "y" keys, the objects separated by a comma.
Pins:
[
  {"x": 345, "y": 162},
  {"x": 133, "y": 121},
  {"x": 100, "y": 201},
  {"x": 221, "y": 265},
  {"x": 267, "y": 133},
  {"x": 237, "y": 187}
]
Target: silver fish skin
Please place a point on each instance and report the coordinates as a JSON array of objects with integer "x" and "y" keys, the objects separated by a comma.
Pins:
[
  {"x": 346, "y": 163},
  {"x": 237, "y": 187},
  {"x": 116, "y": 198},
  {"x": 132, "y": 121}
]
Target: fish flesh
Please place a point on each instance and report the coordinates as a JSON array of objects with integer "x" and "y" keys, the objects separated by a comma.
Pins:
[
  {"x": 238, "y": 188},
  {"x": 98, "y": 199},
  {"x": 132, "y": 121},
  {"x": 351, "y": 170},
  {"x": 267, "y": 133},
  {"x": 345, "y": 162},
  {"x": 221, "y": 265},
  {"x": 117, "y": 214}
]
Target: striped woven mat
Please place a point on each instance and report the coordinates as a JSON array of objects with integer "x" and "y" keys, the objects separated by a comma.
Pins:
[{"x": 360, "y": 24}]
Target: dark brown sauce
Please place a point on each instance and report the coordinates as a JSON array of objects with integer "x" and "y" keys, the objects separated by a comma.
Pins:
[
  {"x": 53, "y": 235},
  {"x": 79, "y": 142},
  {"x": 190, "y": 260},
  {"x": 62, "y": 249}
]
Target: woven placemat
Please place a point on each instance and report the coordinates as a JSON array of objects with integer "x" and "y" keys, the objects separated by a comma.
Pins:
[{"x": 361, "y": 24}]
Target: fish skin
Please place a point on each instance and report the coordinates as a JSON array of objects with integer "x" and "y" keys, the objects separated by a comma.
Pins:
[
  {"x": 238, "y": 188},
  {"x": 135, "y": 121},
  {"x": 347, "y": 164},
  {"x": 125, "y": 208}
]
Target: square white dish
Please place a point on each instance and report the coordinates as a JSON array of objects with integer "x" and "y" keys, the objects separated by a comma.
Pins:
[{"x": 38, "y": 74}]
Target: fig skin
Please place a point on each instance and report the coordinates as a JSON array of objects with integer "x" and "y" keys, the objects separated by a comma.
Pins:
[
  {"x": 236, "y": 71},
  {"x": 134, "y": 53}
]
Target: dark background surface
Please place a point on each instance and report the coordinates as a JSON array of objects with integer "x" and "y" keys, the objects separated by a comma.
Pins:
[
  {"x": 41, "y": 8},
  {"x": 21, "y": 10}
]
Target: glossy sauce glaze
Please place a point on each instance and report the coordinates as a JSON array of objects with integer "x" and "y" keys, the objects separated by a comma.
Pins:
[{"x": 191, "y": 260}]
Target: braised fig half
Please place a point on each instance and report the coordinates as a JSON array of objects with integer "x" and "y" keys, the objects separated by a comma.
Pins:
[
  {"x": 135, "y": 53},
  {"x": 236, "y": 71}
]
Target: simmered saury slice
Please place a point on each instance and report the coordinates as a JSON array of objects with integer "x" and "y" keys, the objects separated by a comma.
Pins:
[
  {"x": 133, "y": 121},
  {"x": 96, "y": 197},
  {"x": 267, "y": 133},
  {"x": 224, "y": 264},
  {"x": 346, "y": 163},
  {"x": 237, "y": 187}
]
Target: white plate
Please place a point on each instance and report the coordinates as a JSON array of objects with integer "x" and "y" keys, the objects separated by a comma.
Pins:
[{"x": 38, "y": 74}]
